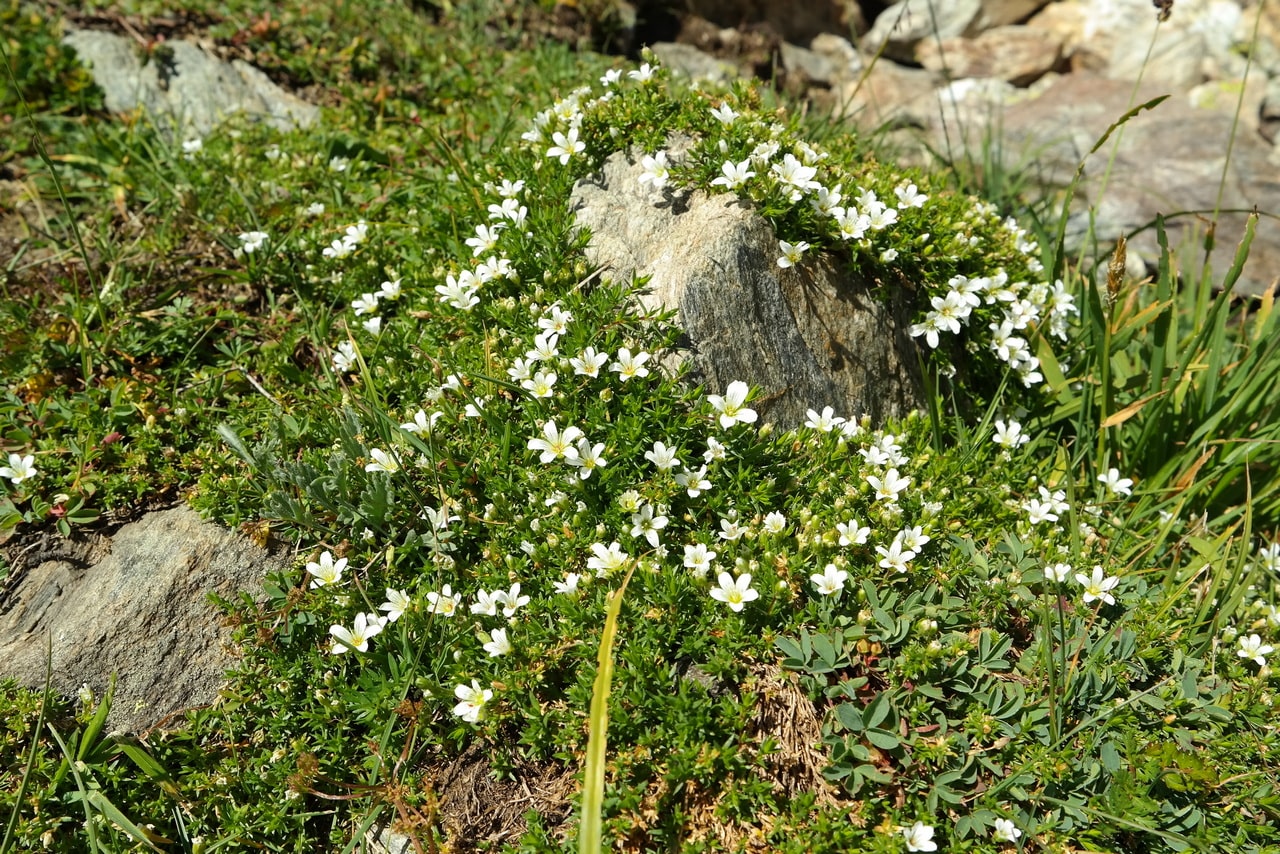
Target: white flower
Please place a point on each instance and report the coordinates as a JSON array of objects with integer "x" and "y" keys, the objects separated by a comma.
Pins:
[
  {"x": 556, "y": 320},
  {"x": 852, "y": 225},
  {"x": 498, "y": 643},
  {"x": 588, "y": 363},
  {"x": 315, "y": 209},
  {"x": 459, "y": 292},
  {"x": 1009, "y": 435},
  {"x": 663, "y": 458},
  {"x": 422, "y": 423},
  {"x": 472, "y": 699},
  {"x": 698, "y": 559},
  {"x": 724, "y": 114},
  {"x": 20, "y": 468},
  {"x": 1098, "y": 586},
  {"x": 775, "y": 523},
  {"x": 734, "y": 592},
  {"x": 382, "y": 461},
  {"x": 1253, "y": 647},
  {"x": 642, "y": 74},
  {"x": 909, "y": 196},
  {"x": 357, "y": 637},
  {"x": 1039, "y": 511},
  {"x": 888, "y": 488},
  {"x": 851, "y": 534},
  {"x": 1005, "y": 831},
  {"x": 542, "y": 384},
  {"x": 192, "y": 147},
  {"x": 510, "y": 600},
  {"x": 251, "y": 241},
  {"x": 611, "y": 76},
  {"x": 544, "y": 347},
  {"x": 569, "y": 586},
  {"x": 373, "y": 326},
  {"x": 554, "y": 444},
  {"x": 791, "y": 252},
  {"x": 1116, "y": 484},
  {"x": 914, "y": 538},
  {"x": 919, "y": 837},
  {"x": 734, "y": 175},
  {"x": 895, "y": 557},
  {"x": 732, "y": 407},
  {"x": 364, "y": 304},
  {"x": 791, "y": 171},
  {"x": 826, "y": 421},
  {"x": 338, "y": 164},
  {"x": 326, "y": 571},
  {"x": 566, "y": 145},
  {"x": 715, "y": 450},
  {"x": 1058, "y": 572},
  {"x": 628, "y": 366},
  {"x": 389, "y": 290},
  {"x": 485, "y": 240},
  {"x": 648, "y": 525},
  {"x": 445, "y": 602},
  {"x": 730, "y": 530},
  {"x": 831, "y": 581},
  {"x": 694, "y": 482},
  {"x": 486, "y": 603},
  {"x": 588, "y": 458},
  {"x": 398, "y": 601},
  {"x": 654, "y": 171},
  {"x": 606, "y": 560},
  {"x": 344, "y": 359}
]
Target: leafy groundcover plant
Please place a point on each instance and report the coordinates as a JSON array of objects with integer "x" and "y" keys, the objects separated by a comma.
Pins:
[{"x": 923, "y": 636}]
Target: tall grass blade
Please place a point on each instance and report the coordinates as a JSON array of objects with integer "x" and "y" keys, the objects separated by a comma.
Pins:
[{"x": 591, "y": 831}]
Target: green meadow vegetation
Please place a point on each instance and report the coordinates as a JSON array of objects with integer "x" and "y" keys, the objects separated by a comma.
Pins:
[{"x": 1038, "y": 615}]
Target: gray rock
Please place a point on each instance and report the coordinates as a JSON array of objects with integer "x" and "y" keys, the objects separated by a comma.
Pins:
[
  {"x": 808, "y": 337},
  {"x": 137, "y": 606},
  {"x": 695, "y": 64},
  {"x": 1269, "y": 111},
  {"x": 1170, "y": 161},
  {"x": 183, "y": 87},
  {"x": 809, "y": 66},
  {"x": 888, "y": 95},
  {"x": 901, "y": 27},
  {"x": 841, "y": 53},
  {"x": 1019, "y": 55}
]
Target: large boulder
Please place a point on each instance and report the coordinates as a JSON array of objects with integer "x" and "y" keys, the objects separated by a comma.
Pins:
[
  {"x": 904, "y": 25},
  {"x": 135, "y": 605},
  {"x": 183, "y": 87},
  {"x": 808, "y": 337}
]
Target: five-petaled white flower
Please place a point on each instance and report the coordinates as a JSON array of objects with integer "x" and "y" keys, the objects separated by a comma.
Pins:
[
  {"x": 568, "y": 587},
  {"x": 326, "y": 571},
  {"x": 510, "y": 600},
  {"x": 588, "y": 363},
  {"x": 251, "y": 241},
  {"x": 919, "y": 837},
  {"x": 724, "y": 114},
  {"x": 566, "y": 145},
  {"x": 398, "y": 601},
  {"x": 486, "y": 604},
  {"x": 775, "y": 523},
  {"x": 472, "y": 699},
  {"x": 732, "y": 406},
  {"x": 1058, "y": 572},
  {"x": 826, "y": 421},
  {"x": 1005, "y": 831},
  {"x": 851, "y": 534},
  {"x": 662, "y": 457},
  {"x": 589, "y": 458},
  {"x": 497, "y": 644},
  {"x": 445, "y": 602},
  {"x": 1116, "y": 484},
  {"x": 357, "y": 637},
  {"x": 541, "y": 384},
  {"x": 733, "y": 175},
  {"x": 730, "y": 530},
  {"x": 647, "y": 524},
  {"x": 887, "y": 488},
  {"x": 606, "y": 560},
  {"x": 1009, "y": 435},
  {"x": 642, "y": 74},
  {"x": 698, "y": 559},
  {"x": 382, "y": 461},
  {"x": 555, "y": 444},
  {"x": 1098, "y": 586},
  {"x": 831, "y": 580},
  {"x": 734, "y": 592},
  {"x": 1253, "y": 647},
  {"x": 654, "y": 170},
  {"x": 20, "y": 468},
  {"x": 694, "y": 482},
  {"x": 791, "y": 253},
  {"x": 628, "y": 366}
]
